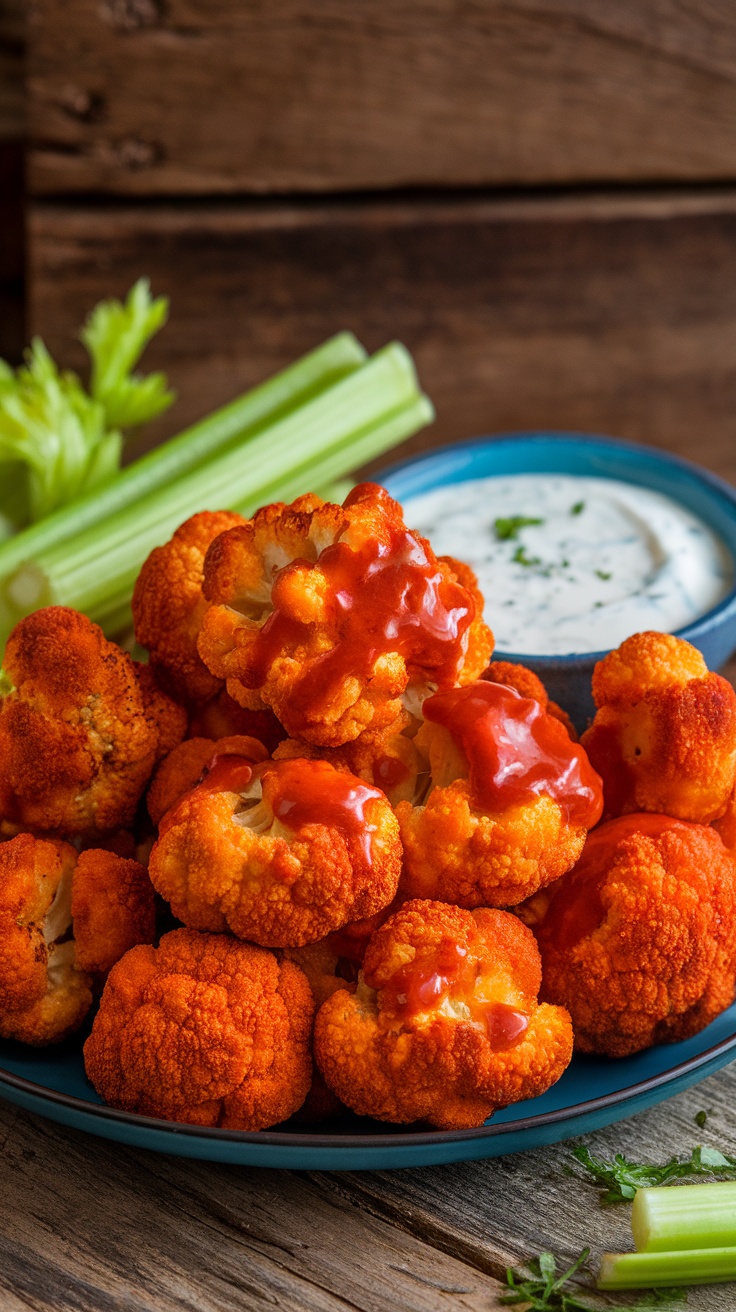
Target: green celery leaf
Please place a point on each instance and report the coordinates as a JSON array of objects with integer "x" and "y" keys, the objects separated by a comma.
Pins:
[{"x": 115, "y": 335}]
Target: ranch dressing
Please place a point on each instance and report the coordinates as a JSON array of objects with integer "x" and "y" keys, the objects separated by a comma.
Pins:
[{"x": 606, "y": 559}]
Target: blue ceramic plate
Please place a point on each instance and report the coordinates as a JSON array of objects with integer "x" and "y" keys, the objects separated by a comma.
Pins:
[{"x": 593, "y": 1092}]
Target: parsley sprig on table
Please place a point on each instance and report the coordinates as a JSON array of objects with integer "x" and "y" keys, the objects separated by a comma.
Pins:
[
  {"x": 541, "y": 1289},
  {"x": 620, "y": 1178}
]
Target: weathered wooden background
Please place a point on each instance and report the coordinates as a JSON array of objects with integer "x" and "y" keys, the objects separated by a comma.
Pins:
[{"x": 537, "y": 196}]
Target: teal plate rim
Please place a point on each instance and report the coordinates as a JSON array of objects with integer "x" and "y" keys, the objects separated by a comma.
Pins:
[{"x": 318, "y": 1150}]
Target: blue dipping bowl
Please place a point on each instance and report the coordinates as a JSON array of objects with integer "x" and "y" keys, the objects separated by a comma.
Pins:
[{"x": 568, "y": 678}]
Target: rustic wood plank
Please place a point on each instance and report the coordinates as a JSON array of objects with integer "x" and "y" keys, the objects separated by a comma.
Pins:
[
  {"x": 505, "y": 1210},
  {"x": 96, "y": 1227},
  {"x": 322, "y": 97},
  {"x": 12, "y": 53},
  {"x": 610, "y": 313}
]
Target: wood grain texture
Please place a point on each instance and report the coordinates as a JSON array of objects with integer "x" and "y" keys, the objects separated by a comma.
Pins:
[
  {"x": 145, "y": 97},
  {"x": 91, "y": 1226},
  {"x": 608, "y": 313},
  {"x": 12, "y": 54}
]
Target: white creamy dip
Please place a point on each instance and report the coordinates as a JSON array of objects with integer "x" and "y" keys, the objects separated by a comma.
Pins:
[{"x": 608, "y": 559}]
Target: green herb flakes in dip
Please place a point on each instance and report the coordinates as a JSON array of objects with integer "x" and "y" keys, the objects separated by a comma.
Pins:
[{"x": 571, "y": 564}]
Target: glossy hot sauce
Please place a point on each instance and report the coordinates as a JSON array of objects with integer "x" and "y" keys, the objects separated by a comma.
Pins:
[
  {"x": 388, "y": 595},
  {"x": 450, "y": 972},
  {"x": 304, "y": 792},
  {"x": 516, "y": 751},
  {"x": 576, "y": 909}
]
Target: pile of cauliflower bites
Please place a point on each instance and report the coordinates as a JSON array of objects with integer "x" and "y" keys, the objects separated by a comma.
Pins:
[{"x": 404, "y": 887}]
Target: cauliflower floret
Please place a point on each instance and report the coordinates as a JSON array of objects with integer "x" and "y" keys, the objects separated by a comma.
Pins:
[
  {"x": 528, "y": 684},
  {"x": 280, "y": 853},
  {"x": 204, "y": 1030},
  {"x": 113, "y": 909},
  {"x": 223, "y": 718},
  {"x": 510, "y": 800},
  {"x": 639, "y": 940},
  {"x": 444, "y": 1026},
  {"x": 664, "y": 735},
  {"x": 81, "y": 728},
  {"x": 388, "y": 758},
  {"x": 168, "y": 605},
  {"x": 329, "y": 614},
  {"x": 183, "y": 768},
  {"x": 64, "y": 921}
]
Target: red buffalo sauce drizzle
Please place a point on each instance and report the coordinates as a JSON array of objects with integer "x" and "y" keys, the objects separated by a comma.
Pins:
[
  {"x": 516, "y": 751},
  {"x": 227, "y": 773},
  {"x": 450, "y": 971},
  {"x": 389, "y": 595},
  {"x": 313, "y": 793},
  {"x": 389, "y": 772},
  {"x": 576, "y": 909}
]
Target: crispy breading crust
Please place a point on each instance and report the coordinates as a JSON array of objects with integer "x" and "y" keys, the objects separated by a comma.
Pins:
[
  {"x": 168, "y": 605},
  {"x": 223, "y": 861},
  {"x": 639, "y": 941},
  {"x": 276, "y": 557},
  {"x": 440, "y": 1065},
  {"x": 664, "y": 735},
  {"x": 204, "y": 1030},
  {"x": 43, "y": 996},
  {"x": 388, "y": 758},
  {"x": 81, "y": 730},
  {"x": 529, "y": 684}
]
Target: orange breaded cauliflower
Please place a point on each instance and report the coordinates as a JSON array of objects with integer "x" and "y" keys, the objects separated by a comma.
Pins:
[
  {"x": 445, "y": 1026},
  {"x": 168, "y": 605},
  {"x": 280, "y": 853},
  {"x": 510, "y": 799},
  {"x": 204, "y": 1030},
  {"x": 329, "y": 614},
  {"x": 64, "y": 921},
  {"x": 183, "y": 768},
  {"x": 528, "y": 684},
  {"x": 388, "y": 758},
  {"x": 81, "y": 729},
  {"x": 223, "y": 718},
  {"x": 664, "y": 735},
  {"x": 639, "y": 940}
]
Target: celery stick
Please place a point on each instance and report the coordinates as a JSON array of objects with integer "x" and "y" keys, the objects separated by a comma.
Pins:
[
  {"x": 103, "y": 561},
  {"x": 157, "y": 470},
  {"x": 402, "y": 423},
  {"x": 699, "y": 1266},
  {"x": 695, "y": 1216}
]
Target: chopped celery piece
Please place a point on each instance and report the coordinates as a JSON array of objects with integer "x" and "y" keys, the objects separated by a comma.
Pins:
[
  {"x": 349, "y": 423},
  {"x": 699, "y": 1266},
  {"x": 158, "y": 470},
  {"x": 695, "y": 1216}
]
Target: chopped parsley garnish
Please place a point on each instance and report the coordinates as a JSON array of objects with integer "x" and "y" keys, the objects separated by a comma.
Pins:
[
  {"x": 578, "y": 508},
  {"x": 621, "y": 1178},
  {"x": 508, "y": 529},
  {"x": 604, "y": 574},
  {"x": 520, "y": 558}
]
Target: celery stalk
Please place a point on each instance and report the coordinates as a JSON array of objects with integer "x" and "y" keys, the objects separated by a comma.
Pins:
[
  {"x": 334, "y": 430},
  {"x": 695, "y": 1216},
  {"x": 156, "y": 471},
  {"x": 699, "y": 1266}
]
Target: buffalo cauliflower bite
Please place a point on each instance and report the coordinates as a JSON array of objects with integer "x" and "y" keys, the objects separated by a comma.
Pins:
[
  {"x": 444, "y": 1026},
  {"x": 64, "y": 921},
  {"x": 387, "y": 758},
  {"x": 329, "y": 614},
  {"x": 510, "y": 800},
  {"x": 223, "y": 718},
  {"x": 639, "y": 941},
  {"x": 664, "y": 735},
  {"x": 168, "y": 605},
  {"x": 205, "y": 1030},
  {"x": 81, "y": 728},
  {"x": 183, "y": 768},
  {"x": 279, "y": 853}
]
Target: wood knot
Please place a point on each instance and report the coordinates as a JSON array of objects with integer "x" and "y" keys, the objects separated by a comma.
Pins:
[
  {"x": 131, "y": 15},
  {"x": 80, "y": 103},
  {"x": 129, "y": 153}
]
